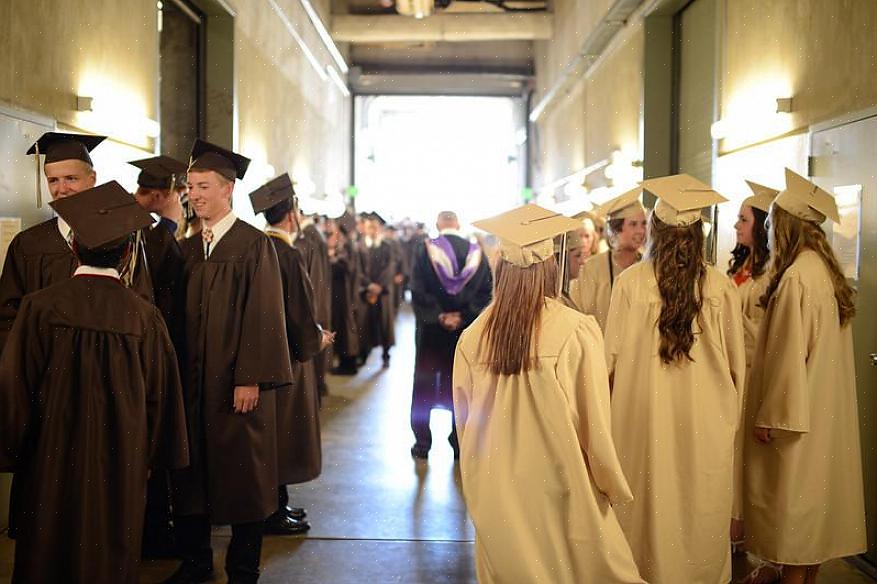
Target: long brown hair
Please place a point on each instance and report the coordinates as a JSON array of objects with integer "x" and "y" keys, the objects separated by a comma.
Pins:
[
  {"x": 515, "y": 314},
  {"x": 789, "y": 237},
  {"x": 677, "y": 256},
  {"x": 760, "y": 253}
]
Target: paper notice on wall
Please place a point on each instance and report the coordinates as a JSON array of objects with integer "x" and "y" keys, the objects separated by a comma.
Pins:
[
  {"x": 845, "y": 237},
  {"x": 9, "y": 228}
]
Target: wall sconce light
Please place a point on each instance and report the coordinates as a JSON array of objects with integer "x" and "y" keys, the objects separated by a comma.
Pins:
[
  {"x": 84, "y": 104},
  {"x": 784, "y": 105}
]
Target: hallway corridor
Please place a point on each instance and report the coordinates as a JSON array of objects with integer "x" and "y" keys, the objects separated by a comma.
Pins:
[{"x": 377, "y": 516}]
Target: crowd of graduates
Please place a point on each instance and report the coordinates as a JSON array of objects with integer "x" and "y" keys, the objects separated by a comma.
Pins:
[{"x": 623, "y": 411}]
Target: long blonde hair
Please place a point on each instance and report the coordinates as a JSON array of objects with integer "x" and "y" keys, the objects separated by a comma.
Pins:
[
  {"x": 515, "y": 314},
  {"x": 789, "y": 236}
]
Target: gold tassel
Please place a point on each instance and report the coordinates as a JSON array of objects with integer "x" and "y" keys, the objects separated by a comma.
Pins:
[{"x": 39, "y": 182}]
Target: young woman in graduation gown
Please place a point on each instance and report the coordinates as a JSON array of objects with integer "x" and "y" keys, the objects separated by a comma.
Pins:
[
  {"x": 803, "y": 498},
  {"x": 531, "y": 399},
  {"x": 748, "y": 270},
  {"x": 626, "y": 231},
  {"x": 674, "y": 347}
]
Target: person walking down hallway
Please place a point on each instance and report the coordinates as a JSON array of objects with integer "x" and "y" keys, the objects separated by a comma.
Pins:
[
  {"x": 531, "y": 400},
  {"x": 451, "y": 283},
  {"x": 236, "y": 354},
  {"x": 378, "y": 321},
  {"x": 90, "y": 401},
  {"x": 675, "y": 351},
  {"x": 803, "y": 498}
]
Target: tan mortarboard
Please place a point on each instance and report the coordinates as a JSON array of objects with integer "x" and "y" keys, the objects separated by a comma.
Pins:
[
  {"x": 805, "y": 200},
  {"x": 627, "y": 204},
  {"x": 762, "y": 196},
  {"x": 526, "y": 234},
  {"x": 681, "y": 198},
  {"x": 590, "y": 220}
]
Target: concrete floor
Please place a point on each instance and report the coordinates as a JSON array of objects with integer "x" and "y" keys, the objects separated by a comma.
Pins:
[{"x": 376, "y": 515}]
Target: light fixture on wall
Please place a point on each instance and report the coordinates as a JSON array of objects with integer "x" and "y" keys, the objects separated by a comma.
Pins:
[
  {"x": 416, "y": 8},
  {"x": 784, "y": 105}
]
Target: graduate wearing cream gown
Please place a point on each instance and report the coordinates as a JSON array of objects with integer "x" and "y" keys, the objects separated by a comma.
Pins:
[
  {"x": 803, "y": 499},
  {"x": 539, "y": 469},
  {"x": 591, "y": 291},
  {"x": 674, "y": 426}
]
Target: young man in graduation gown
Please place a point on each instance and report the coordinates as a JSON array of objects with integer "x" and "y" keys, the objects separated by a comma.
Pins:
[
  {"x": 451, "y": 284},
  {"x": 236, "y": 354},
  {"x": 42, "y": 255},
  {"x": 310, "y": 241},
  {"x": 90, "y": 400},
  {"x": 380, "y": 261},
  {"x": 345, "y": 283},
  {"x": 157, "y": 193},
  {"x": 299, "y": 450}
]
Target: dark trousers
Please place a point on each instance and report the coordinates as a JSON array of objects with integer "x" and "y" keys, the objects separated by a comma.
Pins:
[
  {"x": 282, "y": 498},
  {"x": 244, "y": 551},
  {"x": 157, "y": 530},
  {"x": 433, "y": 369}
]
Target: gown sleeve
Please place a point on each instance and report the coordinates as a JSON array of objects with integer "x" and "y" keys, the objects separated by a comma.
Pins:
[
  {"x": 263, "y": 351},
  {"x": 581, "y": 371},
  {"x": 616, "y": 322},
  {"x": 11, "y": 288},
  {"x": 733, "y": 334},
  {"x": 166, "y": 418},
  {"x": 785, "y": 402},
  {"x": 462, "y": 384},
  {"x": 20, "y": 369}
]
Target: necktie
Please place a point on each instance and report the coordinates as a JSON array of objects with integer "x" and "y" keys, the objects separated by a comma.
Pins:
[{"x": 207, "y": 236}]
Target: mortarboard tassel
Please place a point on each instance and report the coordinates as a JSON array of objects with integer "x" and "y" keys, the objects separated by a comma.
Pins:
[
  {"x": 562, "y": 274},
  {"x": 36, "y": 158}
]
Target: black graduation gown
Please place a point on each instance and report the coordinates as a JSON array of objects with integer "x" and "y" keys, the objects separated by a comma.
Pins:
[
  {"x": 235, "y": 335},
  {"x": 299, "y": 449},
  {"x": 434, "y": 357},
  {"x": 90, "y": 398},
  {"x": 378, "y": 320},
  {"x": 345, "y": 285},
  {"x": 165, "y": 261},
  {"x": 39, "y": 257},
  {"x": 315, "y": 252}
]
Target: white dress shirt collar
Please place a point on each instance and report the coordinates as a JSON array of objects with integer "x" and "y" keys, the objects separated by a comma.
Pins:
[
  {"x": 93, "y": 271},
  {"x": 220, "y": 229}
]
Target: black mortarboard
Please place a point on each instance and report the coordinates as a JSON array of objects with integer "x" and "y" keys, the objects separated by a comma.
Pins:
[
  {"x": 347, "y": 222},
  {"x": 376, "y": 217},
  {"x": 102, "y": 215},
  {"x": 160, "y": 172},
  {"x": 209, "y": 156},
  {"x": 58, "y": 146},
  {"x": 272, "y": 193}
]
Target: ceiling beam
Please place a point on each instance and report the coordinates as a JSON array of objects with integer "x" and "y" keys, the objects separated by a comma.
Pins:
[{"x": 453, "y": 27}]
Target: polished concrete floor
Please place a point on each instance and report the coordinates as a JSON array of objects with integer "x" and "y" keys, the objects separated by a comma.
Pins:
[{"x": 377, "y": 516}]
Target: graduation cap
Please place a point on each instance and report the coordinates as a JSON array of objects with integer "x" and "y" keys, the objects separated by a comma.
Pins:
[
  {"x": 103, "y": 216},
  {"x": 272, "y": 193},
  {"x": 681, "y": 198},
  {"x": 625, "y": 205},
  {"x": 160, "y": 172},
  {"x": 374, "y": 216},
  {"x": 573, "y": 242},
  {"x": 805, "y": 200},
  {"x": 526, "y": 234},
  {"x": 347, "y": 222},
  {"x": 207, "y": 156},
  {"x": 762, "y": 196},
  {"x": 58, "y": 146}
]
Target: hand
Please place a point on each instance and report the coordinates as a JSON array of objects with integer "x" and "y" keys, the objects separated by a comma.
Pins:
[
  {"x": 172, "y": 208},
  {"x": 327, "y": 339},
  {"x": 736, "y": 530},
  {"x": 246, "y": 398},
  {"x": 763, "y": 435}
]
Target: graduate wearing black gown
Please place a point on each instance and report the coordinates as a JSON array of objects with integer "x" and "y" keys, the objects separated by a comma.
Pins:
[{"x": 90, "y": 400}]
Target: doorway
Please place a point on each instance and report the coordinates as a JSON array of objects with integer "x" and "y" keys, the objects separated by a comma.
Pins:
[
  {"x": 181, "y": 52},
  {"x": 842, "y": 162}
]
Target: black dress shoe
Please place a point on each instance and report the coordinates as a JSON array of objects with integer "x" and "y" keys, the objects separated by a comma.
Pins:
[
  {"x": 190, "y": 574},
  {"x": 419, "y": 452},
  {"x": 284, "y": 525},
  {"x": 297, "y": 513}
]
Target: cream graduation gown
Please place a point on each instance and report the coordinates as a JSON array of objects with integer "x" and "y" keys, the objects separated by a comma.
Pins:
[
  {"x": 537, "y": 461},
  {"x": 674, "y": 428},
  {"x": 803, "y": 496}
]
